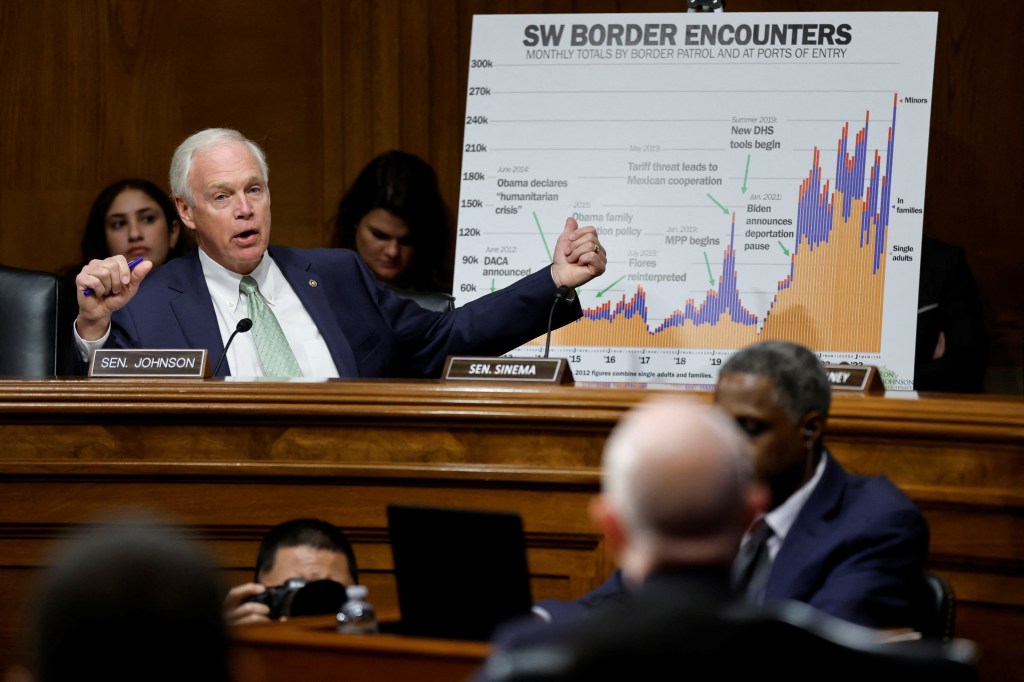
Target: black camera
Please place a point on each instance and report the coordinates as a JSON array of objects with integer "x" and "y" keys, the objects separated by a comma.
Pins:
[{"x": 297, "y": 597}]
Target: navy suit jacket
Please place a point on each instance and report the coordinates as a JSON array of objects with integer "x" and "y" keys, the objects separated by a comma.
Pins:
[
  {"x": 856, "y": 551},
  {"x": 695, "y": 594},
  {"x": 687, "y": 618},
  {"x": 369, "y": 330}
]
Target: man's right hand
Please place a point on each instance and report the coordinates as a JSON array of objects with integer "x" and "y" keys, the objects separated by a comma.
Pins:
[
  {"x": 238, "y": 611},
  {"x": 113, "y": 285}
]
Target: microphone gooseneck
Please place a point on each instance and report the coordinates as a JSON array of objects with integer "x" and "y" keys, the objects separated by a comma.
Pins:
[
  {"x": 244, "y": 325},
  {"x": 560, "y": 295}
]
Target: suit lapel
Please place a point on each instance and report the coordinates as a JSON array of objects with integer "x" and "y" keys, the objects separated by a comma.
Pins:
[
  {"x": 192, "y": 306},
  {"x": 301, "y": 275},
  {"x": 804, "y": 536}
]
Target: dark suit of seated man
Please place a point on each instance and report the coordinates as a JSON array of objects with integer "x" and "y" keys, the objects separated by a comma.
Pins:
[
  {"x": 851, "y": 546},
  {"x": 655, "y": 637},
  {"x": 678, "y": 491},
  {"x": 315, "y": 312}
]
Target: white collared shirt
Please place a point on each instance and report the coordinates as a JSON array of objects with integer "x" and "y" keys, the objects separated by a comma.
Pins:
[
  {"x": 231, "y": 306},
  {"x": 782, "y": 518}
]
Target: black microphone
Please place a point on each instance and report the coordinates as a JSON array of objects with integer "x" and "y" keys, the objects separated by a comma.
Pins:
[
  {"x": 560, "y": 295},
  {"x": 244, "y": 325}
]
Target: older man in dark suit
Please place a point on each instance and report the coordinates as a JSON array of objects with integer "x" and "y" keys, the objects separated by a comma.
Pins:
[{"x": 315, "y": 312}]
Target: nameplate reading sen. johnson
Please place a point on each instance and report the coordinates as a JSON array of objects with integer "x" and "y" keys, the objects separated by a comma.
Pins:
[
  {"x": 120, "y": 362},
  {"x": 534, "y": 370}
]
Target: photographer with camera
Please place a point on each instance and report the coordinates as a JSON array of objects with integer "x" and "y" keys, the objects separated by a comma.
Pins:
[{"x": 300, "y": 563}]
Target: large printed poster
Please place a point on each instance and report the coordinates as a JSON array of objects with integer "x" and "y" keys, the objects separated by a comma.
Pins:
[{"x": 753, "y": 177}]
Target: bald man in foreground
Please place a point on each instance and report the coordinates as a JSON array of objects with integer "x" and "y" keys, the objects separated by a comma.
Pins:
[{"x": 678, "y": 492}]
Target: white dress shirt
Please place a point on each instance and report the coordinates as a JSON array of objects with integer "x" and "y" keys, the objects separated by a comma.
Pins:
[{"x": 782, "y": 518}]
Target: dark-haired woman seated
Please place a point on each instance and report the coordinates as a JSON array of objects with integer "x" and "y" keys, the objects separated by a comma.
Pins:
[{"x": 393, "y": 216}]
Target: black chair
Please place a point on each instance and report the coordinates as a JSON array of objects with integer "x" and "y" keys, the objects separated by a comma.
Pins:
[
  {"x": 939, "y": 620},
  {"x": 862, "y": 654},
  {"x": 437, "y": 301},
  {"x": 791, "y": 641},
  {"x": 36, "y": 309}
]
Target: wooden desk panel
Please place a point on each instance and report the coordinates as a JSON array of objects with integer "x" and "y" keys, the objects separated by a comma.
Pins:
[
  {"x": 227, "y": 460},
  {"x": 309, "y": 649}
]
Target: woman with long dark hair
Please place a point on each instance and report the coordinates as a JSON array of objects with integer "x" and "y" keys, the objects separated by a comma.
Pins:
[{"x": 393, "y": 216}]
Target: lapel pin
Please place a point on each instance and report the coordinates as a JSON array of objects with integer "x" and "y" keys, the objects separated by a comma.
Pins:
[{"x": 313, "y": 283}]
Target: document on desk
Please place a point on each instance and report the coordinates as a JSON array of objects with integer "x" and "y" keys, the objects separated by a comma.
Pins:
[{"x": 753, "y": 177}]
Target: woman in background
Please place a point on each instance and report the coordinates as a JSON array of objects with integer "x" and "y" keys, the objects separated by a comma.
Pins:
[
  {"x": 133, "y": 218},
  {"x": 393, "y": 216}
]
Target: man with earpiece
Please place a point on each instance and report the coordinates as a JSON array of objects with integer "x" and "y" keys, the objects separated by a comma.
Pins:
[{"x": 852, "y": 546}]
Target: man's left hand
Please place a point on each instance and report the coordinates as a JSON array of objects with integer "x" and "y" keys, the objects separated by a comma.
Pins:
[
  {"x": 579, "y": 256},
  {"x": 238, "y": 611}
]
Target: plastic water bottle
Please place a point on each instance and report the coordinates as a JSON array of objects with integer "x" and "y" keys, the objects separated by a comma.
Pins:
[{"x": 357, "y": 616}]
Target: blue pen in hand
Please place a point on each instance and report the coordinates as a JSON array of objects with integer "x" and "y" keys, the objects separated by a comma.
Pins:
[{"x": 131, "y": 265}]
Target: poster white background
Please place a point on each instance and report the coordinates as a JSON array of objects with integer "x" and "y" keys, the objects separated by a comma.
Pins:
[{"x": 660, "y": 130}]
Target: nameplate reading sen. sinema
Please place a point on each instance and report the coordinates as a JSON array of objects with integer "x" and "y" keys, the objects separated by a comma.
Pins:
[
  {"x": 123, "y": 362},
  {"x": 532, "y": 370},
  {"x": 864, "y": 378}
]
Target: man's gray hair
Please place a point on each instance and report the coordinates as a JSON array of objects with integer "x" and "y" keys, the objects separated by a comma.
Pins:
[
  {"x": 800, "y": 382},
  {"x": 181, "y": 162}
]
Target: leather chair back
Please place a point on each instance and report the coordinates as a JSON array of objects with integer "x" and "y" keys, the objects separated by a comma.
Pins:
[
  {"x": 431, "y": 300},
  {"x": 940, "y": 619},
  {"x": 789, "y": 641},
  {"x": 35, "y": 313}
]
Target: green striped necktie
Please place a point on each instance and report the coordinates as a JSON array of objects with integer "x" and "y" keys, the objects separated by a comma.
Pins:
[{"x": 276, "y": 355}]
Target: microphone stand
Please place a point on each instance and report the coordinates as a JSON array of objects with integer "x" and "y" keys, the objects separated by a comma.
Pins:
[
  {"x": 244, "y": 325},
  {"x": 560, "y": 295}
]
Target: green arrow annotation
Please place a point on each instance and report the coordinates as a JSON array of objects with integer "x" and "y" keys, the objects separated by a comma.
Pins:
[
  {"x": 542, "y": 237},
  {"x": 711, "y": 278},
  {"x": 610, "y": 286},
  {"x": 724, "y": 209}
]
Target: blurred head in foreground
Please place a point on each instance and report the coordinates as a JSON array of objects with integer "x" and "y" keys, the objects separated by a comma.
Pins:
[
  {"x": 678, "y": 488},
  {"x": 129, "y": 602}
]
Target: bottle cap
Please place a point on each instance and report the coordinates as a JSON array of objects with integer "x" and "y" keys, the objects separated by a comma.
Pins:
[{"x": 356, "y": 591}]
